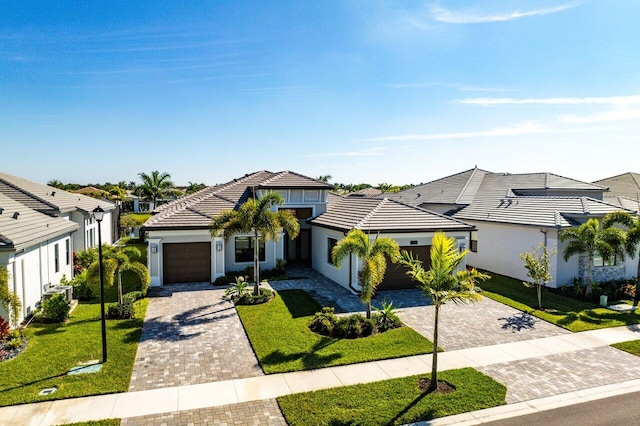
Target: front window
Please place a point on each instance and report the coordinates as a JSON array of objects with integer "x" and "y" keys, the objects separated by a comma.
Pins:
[
  {"x": 331, "y": 243},
  {"x": 56, "y": 255},
  {"x": 474, "y": 241},
  {"x": 244, "y": 249},
  {"x": 598, "y": 260},
  {"x": 68, "y": 251}
]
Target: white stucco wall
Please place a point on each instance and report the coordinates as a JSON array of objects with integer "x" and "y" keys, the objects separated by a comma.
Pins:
[{"x": 87, "y": 225}]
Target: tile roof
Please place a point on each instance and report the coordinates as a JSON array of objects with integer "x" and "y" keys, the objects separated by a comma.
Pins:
[
  {"x": 47, "y": 199},
  {"x": 544, "y": 211},
  {"x": 196, "y": 210},
  {"x": 624, "y": 202},
  {"x": 384, "y": 215},
  {"x": 626, "y": 185},
  {"x": 22, "y": 227},
  {"x": 459, "y": 188}
]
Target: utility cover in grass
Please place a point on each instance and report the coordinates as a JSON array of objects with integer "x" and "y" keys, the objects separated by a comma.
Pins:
[
  {"x": 86, "y": 369},
  {"x": 393, "y": 402}
]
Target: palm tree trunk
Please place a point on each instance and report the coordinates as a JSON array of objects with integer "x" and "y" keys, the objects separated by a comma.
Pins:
[
  {"x": 589, "y": 271},
  {"x": 368, "y": 310},
  {"x": 433, "y": 385},
  {"x": 119, "y": 287},
  {"x": 256, "y": 265}
]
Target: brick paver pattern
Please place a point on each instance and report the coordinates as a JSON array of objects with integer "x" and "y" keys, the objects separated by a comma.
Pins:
[
  {"x": 265, "y": 412},
  {"x": 191, "y": 336}
]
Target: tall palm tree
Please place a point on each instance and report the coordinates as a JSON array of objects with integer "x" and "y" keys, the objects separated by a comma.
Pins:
[
  {"x": 56, "y": 184},
  {"x": 372, "y": 254},
  {"x": 443, "y": 282},
  {"x": 590, "y": 238},
  {"x": 155, "y": 186},
  {"x": 632, "y": 236},
  {"x": 258, "y": 217},
  {"x": 117, "y": 260},
  {"x": 194, "y": 187}
]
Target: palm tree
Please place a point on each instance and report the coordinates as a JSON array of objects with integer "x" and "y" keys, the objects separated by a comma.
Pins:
[
  {"x": 372, "y": 254},
  {"x": 256, "y": 216},
  {"x": 632, "y": 236},
  {"x": 194, "y": 187},
  {"x": 155, "y": 186},
  {"x": 443, "y": 282},
  {"x": 590, "y": 238},
  {"x": 325, "y": 178},
  {"x": 56, "y": 184},
  {"x": 117, "y": 260}
]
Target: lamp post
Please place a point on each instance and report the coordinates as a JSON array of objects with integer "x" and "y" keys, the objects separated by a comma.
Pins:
[{"x": 98, "y": 215}]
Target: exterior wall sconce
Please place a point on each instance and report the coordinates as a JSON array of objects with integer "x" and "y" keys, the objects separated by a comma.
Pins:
[
  {"x": 154, "y": 249},
  {"x": 218, "y": 246}
]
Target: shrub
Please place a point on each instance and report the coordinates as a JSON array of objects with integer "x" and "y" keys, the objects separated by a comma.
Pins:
[
  {"x": 237, "y": 290},
  {"x": 83, "y": 259},
  {"x": 223, "y": 280},
  {"x": 133, "y": 296},
  {"x": 13, "y": 343},
  {"x": 249, "y": 299},
  {"x": 5, "y": 329},
  {"x": 81, "y": 289},
  {"x": 386, "y": 317},
  {"x": 122, "y": 310},
  {"x": 56, "y": 308},
  {"x": 324, "y": 322}
]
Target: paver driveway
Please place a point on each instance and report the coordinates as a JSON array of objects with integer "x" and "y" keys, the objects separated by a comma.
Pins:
[{"x": 191, "y": 336}]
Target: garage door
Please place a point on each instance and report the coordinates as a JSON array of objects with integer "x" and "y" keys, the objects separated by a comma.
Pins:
[
  {"x": 186, "y": 262},
  {"x": 396, "y": 277}
]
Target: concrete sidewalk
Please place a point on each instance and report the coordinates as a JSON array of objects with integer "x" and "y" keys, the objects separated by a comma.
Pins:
[{"x": 192, "y": 397}]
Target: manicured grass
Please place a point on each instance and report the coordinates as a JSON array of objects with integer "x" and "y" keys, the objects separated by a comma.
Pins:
[
  {"x": 565, "y": 312},
  {"x": 140, "y": 217},
  {"x": 54, "y": 349},
  {"x": 390, "y": 402},
  {"x": 107, "y": 422},
  {"x": 280, "y": 336},
  {"x": 632, "y": 346}
]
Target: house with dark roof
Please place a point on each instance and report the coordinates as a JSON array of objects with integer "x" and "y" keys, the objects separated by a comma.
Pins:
[
  {"x": 512, "y": 213},
  {"x": 624, "y": 190},
  {"x": 74, "y": 207},
  {"x": 182, "y": 250},
  {"x": 36, "y": 249}
]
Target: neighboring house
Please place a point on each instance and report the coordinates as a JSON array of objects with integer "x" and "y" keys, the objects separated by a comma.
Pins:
[
  {"x": 92, "y": 191},
  {"x": 624, "y": 190},
  {"x": 36, "y": 249},
  {"x": 56, "y": 202},
  {"x": 365, "y": 193},
  {"x": 512, "y": 213},
  {"x": 182, "y": 250}
]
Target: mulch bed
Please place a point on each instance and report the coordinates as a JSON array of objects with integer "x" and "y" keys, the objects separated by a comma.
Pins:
[
  {"x": 6, "y": 353},
  {"x": 443, "y": 387}
]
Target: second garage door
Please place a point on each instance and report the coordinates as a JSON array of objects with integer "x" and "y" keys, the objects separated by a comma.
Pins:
[
  {"x": 186, "y": 262},
  {"x": 396, "y": 277}
]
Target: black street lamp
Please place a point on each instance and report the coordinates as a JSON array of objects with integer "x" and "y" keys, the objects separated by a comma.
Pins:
[{"x": 98, "y": 215}]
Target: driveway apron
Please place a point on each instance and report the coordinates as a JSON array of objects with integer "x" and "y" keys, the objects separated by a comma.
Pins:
[{"x": 191, "y": 336}]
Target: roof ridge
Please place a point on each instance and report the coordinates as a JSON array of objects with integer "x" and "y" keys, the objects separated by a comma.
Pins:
[
  {"x": 30, "y": 194},
  {"x": 633, "y": 176},
  {"x": 275, "y": 175},
  {"x": 238, "y": 181},
  {"x": 372, "y": 212},
  {"x": 466, "y": 185}
]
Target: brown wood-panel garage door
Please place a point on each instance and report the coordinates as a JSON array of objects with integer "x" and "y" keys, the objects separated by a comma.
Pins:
[
  {"x": 186, "y": 262},
  {"x": 396, "y": 277}
]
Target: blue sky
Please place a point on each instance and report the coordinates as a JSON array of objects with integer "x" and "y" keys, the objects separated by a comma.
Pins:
[{"x": 366, "y": 91}]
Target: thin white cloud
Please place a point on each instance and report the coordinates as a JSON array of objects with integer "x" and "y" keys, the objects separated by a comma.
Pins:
[
  {"x": 441, "y": 14},
  {"x": 618, "y": 101},
  {"x": 370, "y": 152},
  {"x": 527, "y": 128}
]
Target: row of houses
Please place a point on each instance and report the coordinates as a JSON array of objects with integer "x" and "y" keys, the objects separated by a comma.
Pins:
[
  {"x": 496, "y": 216},
  {"x": 40, "y": 229}
]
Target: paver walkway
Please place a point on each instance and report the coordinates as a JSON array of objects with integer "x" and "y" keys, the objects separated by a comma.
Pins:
[{"x": 191, "y": 336}]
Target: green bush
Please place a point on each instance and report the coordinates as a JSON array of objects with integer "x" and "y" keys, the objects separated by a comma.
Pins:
[
  {"x": 14, "y": 343},
  {"x": 249, "y": 299},
  {"x": 324, "y": 322},
  {"x": 56, "y": 308},
  {"x": 353, "y": 326},
  {"x": 133, "y": 296},
  {"x": 386, "y": 317},
  {"x": 238, "y": 289},
  {"x": 81, "y": 289},
  {"x": 124, "y": 310}
]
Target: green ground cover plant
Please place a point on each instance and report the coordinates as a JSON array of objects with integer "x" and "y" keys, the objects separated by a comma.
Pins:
[
  {"x": 54, "y": 349},
  {"x": 391, "y": 402},
  {"x": 632, "y": 346},
  {"x": 280, "y": 336},
  {"x": 571, "y": 314}
]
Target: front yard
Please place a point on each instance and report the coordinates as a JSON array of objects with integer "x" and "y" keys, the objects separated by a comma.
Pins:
[
  {"x": 54, "y": 349},
  {"x": 571, "y": 314},
  {"x": 282, "y": 341}
]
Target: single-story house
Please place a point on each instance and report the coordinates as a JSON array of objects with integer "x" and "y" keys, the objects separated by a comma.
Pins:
[
  {"x": 56, "y": 202},
  {"x": 513, "y": 213},
  {"x": 35, "y": 248},
  {"x": 180, "y": 248}
]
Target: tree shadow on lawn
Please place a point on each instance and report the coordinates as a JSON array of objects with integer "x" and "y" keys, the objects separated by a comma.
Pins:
[
  {"x": 299, "y": 303},
  {"x": 310, "y": 359}
]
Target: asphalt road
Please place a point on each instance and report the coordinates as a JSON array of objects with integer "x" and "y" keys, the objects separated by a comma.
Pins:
[{"x": 618, "y": 410}]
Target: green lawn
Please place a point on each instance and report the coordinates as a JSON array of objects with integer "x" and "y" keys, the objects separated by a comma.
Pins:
[
  {"x": 632, "y": 346},
  {"x": 281, "y": 339},
  {"x": 107, "y": 422},
  {"x": 54, "y": 349},
  {"x": 390, "y": 402},
  {"x": 565, "y": 312}
]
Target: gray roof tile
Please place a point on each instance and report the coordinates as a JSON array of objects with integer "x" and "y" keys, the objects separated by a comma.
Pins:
[{"x": 626, "y": 185}]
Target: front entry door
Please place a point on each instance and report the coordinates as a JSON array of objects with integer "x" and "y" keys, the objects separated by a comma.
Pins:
[{"x": 299, "y": 249}]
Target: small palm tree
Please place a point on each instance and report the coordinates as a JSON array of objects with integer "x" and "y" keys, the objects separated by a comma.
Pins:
[
  {"x": 590, "y": 238},
  {"x": 117, "y": 260},
  {"x": 372, "y": 254},
  {"x": 443, "y": 282},
  {"x": 155, "y": 186},
  {"x": 632, "y": 236},
  {"x": 256, "y": 216}
]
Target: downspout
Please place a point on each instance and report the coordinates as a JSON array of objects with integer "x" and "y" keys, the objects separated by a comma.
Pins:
[{"x": 351, "y": 274}]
